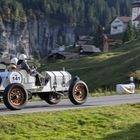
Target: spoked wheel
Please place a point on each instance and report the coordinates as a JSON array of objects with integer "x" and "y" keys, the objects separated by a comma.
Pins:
[
  {"x": 15, "y": 97},
  {"x": 78, "y": 93},
  {"x": 51, "y": 97}
]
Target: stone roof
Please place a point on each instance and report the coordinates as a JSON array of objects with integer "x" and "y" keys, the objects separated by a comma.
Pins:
[
  {"x": 90, "y": 48},
  {"x": 125, "y": 19}
]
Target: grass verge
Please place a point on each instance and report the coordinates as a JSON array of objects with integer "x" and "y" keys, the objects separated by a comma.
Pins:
[{"x": 100, "y": 123}]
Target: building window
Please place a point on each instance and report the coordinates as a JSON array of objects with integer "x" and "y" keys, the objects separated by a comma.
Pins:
[
  {"x": 115, "y": 27},
  {"x": 117, "y": 21},
  {"x": 120, "y": 25}
]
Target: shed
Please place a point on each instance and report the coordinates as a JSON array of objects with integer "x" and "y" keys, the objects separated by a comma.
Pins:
[{"x": 62, "y": 55}]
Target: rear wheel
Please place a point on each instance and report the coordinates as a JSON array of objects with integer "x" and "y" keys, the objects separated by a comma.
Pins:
[
  {"x": 15, "y": 96},
  {"x": 51, "y": 98},
  {"x": 78, "y": 92}
]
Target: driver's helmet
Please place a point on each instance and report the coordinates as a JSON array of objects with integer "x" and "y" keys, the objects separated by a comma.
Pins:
[
  {"x": 23, "y": 57},
  {"x": 13, "y": 62}
]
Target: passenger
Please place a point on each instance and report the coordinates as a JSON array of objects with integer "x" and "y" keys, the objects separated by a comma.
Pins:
[{"x": 13, "y": 63}]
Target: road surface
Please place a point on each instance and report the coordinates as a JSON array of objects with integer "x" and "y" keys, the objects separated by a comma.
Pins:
[{"x": 41, "y": 106}]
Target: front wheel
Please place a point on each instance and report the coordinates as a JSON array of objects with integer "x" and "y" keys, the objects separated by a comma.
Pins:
[
  {"x": 51, "y": 98},
  {"x": 15, "y": 96},
  {"x": 78, "y": 92}
]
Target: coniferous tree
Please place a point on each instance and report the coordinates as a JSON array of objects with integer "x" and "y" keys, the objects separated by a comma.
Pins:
[
  {"x": 99, "y": 37},
  {"x": 130, "y": 33},
  {"x": 85, "y": 13}
]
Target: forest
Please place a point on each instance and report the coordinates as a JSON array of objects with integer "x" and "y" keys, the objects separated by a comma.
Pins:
[{"x": 80, "y": 14}]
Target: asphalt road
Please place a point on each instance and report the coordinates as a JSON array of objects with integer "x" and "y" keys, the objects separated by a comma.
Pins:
[{"x": 41, "y": 106}]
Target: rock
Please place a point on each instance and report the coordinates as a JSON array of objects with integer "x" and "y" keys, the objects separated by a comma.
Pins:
[{"x": 35, "y": 35}]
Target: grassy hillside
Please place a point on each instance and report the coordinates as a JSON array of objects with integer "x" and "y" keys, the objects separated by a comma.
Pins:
[
  {"x": 102, "y": 123},
  {"x": 105, "y": 70}
]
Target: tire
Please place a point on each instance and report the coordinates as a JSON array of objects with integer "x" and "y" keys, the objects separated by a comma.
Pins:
[
  {"x": 15, "y": 96},
  {"x": 51, "y": 98},
  {"x": 78, "y": 92}
]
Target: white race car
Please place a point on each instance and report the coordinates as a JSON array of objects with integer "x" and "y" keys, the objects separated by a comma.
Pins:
[{"x": 16, "y": 87}]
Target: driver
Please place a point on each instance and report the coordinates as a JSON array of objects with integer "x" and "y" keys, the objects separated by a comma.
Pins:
[{"x": 22, "y": 63}]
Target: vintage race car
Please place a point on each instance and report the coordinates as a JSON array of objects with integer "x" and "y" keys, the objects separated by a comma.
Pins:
[{"x": 16, "y": 87}]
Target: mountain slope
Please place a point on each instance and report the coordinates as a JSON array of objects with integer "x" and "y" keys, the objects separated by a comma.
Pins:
[
  {"x": 79, "y": 12},
  {"x": 105, "y": 70},
  {"x": 38, "y": 26}
]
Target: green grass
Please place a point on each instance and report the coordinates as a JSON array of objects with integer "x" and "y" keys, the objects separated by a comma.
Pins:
[
  {"x": 100, "y": 123},
  {"x": 107, "y": 69}
]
